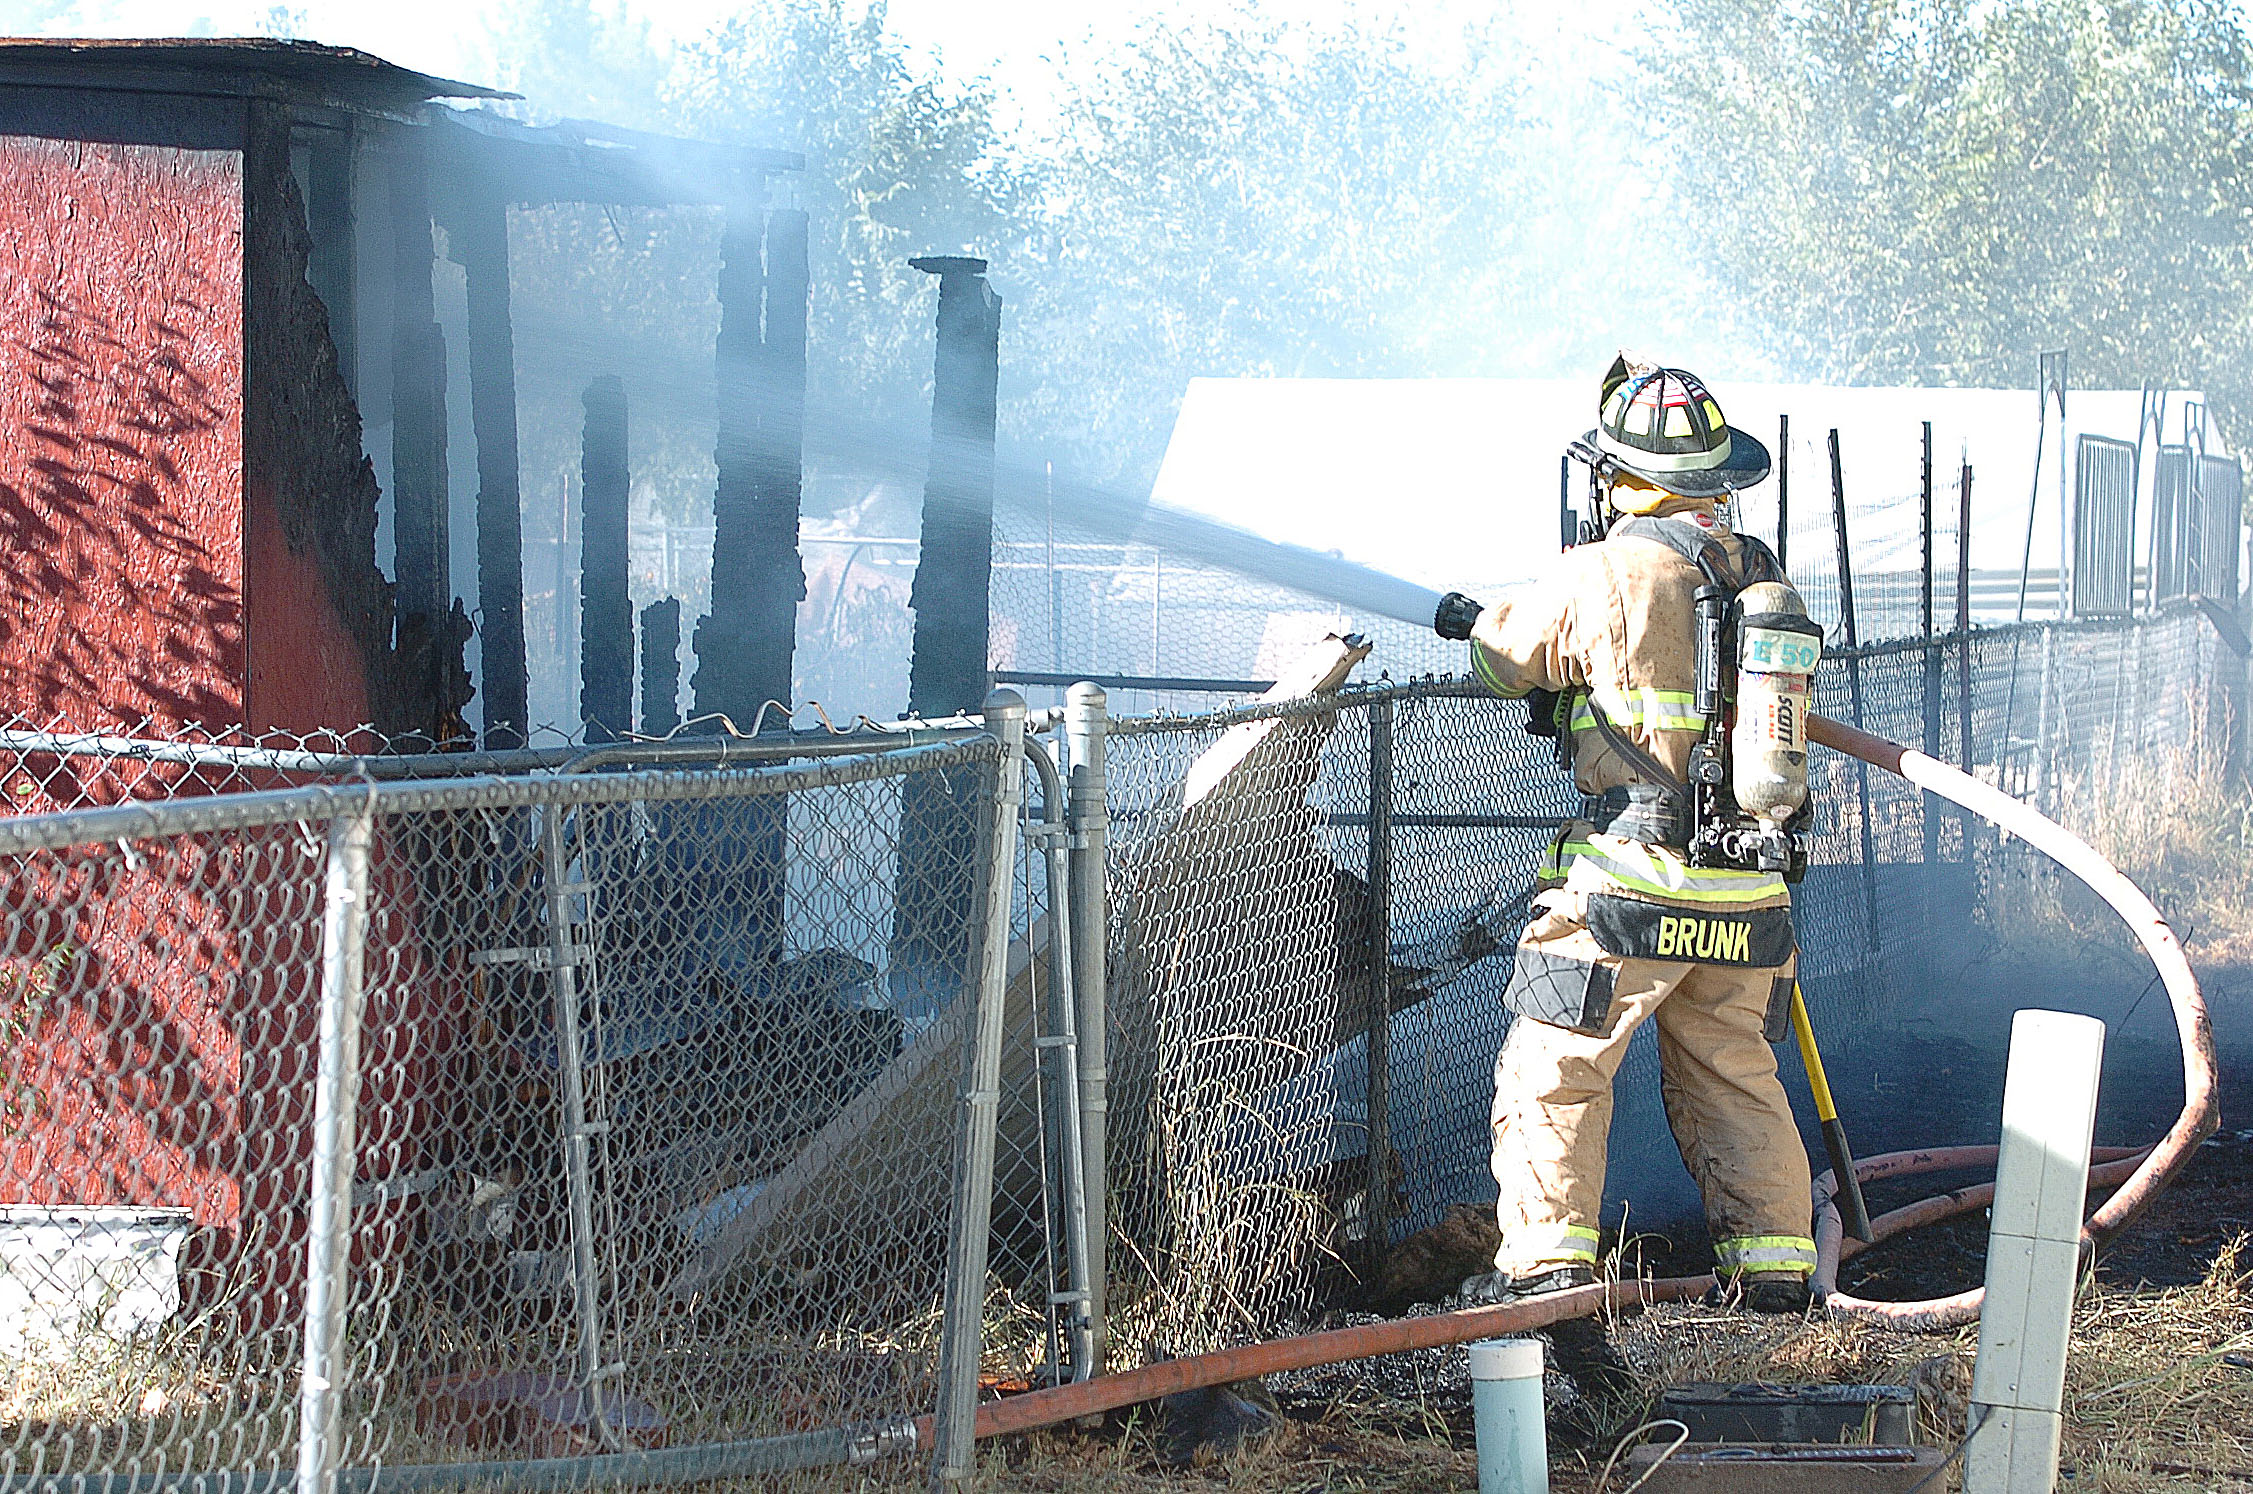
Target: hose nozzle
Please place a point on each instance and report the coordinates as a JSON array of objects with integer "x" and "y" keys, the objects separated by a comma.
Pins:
[{"x": 1456, "y": 615}]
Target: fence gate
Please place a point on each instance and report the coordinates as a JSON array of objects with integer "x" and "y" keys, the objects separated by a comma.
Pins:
[
  {"x": 2174, "y": 530},
  {"x": 2100, "y": 546},
  {"x": 2221, "y": 487}
]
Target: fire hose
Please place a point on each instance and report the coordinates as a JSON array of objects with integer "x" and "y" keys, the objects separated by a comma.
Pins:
[{"x": 2140, "y": 1173}]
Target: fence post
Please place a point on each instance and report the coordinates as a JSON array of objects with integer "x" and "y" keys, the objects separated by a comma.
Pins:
[
  {"x": 1379, "y": 1213},
  {"x": 1854, "y": 688},
  {"x": 570, "y": 1054},
  {"x": 1963, "y": 633},
  {"x": 1928, "y": 805},
  {"x": 1062, "y": 1044},
  {"x": 962, "y": 1331},
  {"x": 1783, "y": 493},
  {"x": 1085, "y": 721},
  {"x": 336, "y": 1097},
  {"x": 2045, "y": 763}
]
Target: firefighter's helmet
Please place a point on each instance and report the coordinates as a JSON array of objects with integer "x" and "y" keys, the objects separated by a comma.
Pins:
[{"x": 1663, "y": 426}]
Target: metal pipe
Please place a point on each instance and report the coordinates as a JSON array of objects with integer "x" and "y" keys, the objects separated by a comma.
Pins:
[
  {"x": 2044, "y": 767},
  {"x": 1783, "y": 493},
  {"x": 336, "y": 1098},
  {"x": 1929, "y": 821},
  {"x": 1086, "y": 722},
  {"x": 218, "y": 812},
  {"x": 1046, "y": 1408},
  {"x": 869, "y": 736},
  {"x": 962, "y": 1330},
  {"x": 570, "y": 1059},
  {"x": 1063, "y": 1042},
  {"x": 1963, "y": 624},
  {"x": 2194, "y": 1030},
  {"x": 1183, "y": 683},
  {"x": 1420, "y": 821}
]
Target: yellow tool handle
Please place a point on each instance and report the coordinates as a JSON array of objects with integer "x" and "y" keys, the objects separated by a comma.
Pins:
[
  {"x": 1853, "y": 1212},
  {"x": 1826, "y": 1109}
]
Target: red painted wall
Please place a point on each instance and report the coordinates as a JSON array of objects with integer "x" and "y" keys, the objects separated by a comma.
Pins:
[
  {"x": 121, "y": 373},
  {"x": 121, "y": 609},
  {"x": 186, "y": 535}
]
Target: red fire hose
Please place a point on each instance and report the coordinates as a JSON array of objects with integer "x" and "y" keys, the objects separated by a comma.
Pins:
[
  {"x": 1046, "y": 1408},
  {"x": 2140, "y": 1174}
]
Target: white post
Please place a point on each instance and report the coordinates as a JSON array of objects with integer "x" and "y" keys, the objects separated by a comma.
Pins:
[
  {"x": 2033, "y": 1253},
  {"x": 336, "y": 1098}
]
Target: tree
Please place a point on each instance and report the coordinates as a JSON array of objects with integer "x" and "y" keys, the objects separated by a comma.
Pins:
[
  {"x": 896, "y": 166},
  {"x": 1932, "y": 189},
  {"x": 1237, "y": 195}
]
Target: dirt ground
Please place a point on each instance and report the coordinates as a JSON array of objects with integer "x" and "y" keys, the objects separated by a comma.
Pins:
[{"x": 2161, "y": 1390}]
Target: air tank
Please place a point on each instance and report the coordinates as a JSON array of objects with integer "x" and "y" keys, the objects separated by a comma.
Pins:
[{"x": 1778, "y": 647}]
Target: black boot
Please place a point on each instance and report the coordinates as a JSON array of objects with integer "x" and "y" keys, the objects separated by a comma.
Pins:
[
  {"x": 1777, "y": 1293},
  {"x": 1497, "y": 1287}
]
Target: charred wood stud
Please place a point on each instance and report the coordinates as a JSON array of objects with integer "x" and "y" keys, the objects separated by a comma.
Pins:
[{"x": 606, "y": 613}]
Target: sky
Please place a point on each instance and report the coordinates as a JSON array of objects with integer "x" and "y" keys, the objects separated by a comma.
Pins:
[{"x": 1014, "y": 43}]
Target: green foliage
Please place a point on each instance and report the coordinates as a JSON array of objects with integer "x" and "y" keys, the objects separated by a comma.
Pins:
[
  {"x": 25, "y": 996},
  {"x": 1933, "y": 189},
  {"x": 1223, "y": 195},
  {"x": 1237, "y": 195},
  {"x": 896, "y": 166}
]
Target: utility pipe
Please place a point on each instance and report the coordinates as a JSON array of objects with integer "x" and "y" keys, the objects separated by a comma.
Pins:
[{"x": 2145, "y": 1177}]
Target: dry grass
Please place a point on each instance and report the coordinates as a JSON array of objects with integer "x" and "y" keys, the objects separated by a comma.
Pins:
[
  {"x": 2179, "y": 823},
  {"x": 2155, "y": 1401},
  {"x": 2148, "y": 1385}
]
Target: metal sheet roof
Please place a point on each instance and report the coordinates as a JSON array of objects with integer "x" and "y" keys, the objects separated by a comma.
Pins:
[{"x": 227, "y": 66}]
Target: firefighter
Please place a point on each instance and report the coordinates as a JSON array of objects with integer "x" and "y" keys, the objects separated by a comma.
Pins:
[{"x": 1626, "y": 928}]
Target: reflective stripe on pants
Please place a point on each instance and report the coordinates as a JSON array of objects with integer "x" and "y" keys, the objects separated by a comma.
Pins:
[
  {"x": 1554, "y": 1244},
  {"x": 1793, "y": 1253}
]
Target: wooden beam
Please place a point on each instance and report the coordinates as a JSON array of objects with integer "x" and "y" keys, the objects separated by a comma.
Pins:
[
  {"x": 606, "y": 611},
  {"x": 478, "y": 228}
]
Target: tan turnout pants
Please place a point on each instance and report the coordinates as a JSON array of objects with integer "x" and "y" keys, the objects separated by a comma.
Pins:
[{"x": 1731, "y": 1118}]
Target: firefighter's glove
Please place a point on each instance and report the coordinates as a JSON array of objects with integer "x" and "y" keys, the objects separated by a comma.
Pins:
[{"x": 1541, "y": 713}]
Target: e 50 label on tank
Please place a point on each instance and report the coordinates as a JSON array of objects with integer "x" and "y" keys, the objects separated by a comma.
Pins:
[{"x": 1775, "y": 651}]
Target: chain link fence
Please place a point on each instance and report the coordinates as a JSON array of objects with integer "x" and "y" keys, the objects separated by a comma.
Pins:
[
  {"x": 1301, "y": 1033},
  {"x": 610, "y": 1121},
  {"x": 717, "y": 1106}
]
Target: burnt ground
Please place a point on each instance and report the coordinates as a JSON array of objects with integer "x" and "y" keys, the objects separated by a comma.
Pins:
[{"x": 2174, "y": 1244}]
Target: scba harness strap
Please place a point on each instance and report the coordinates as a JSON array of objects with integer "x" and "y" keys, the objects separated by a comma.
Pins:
[
  {"x": 1658, "y": 810},
  {"x": 1705, "y": 551}
]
